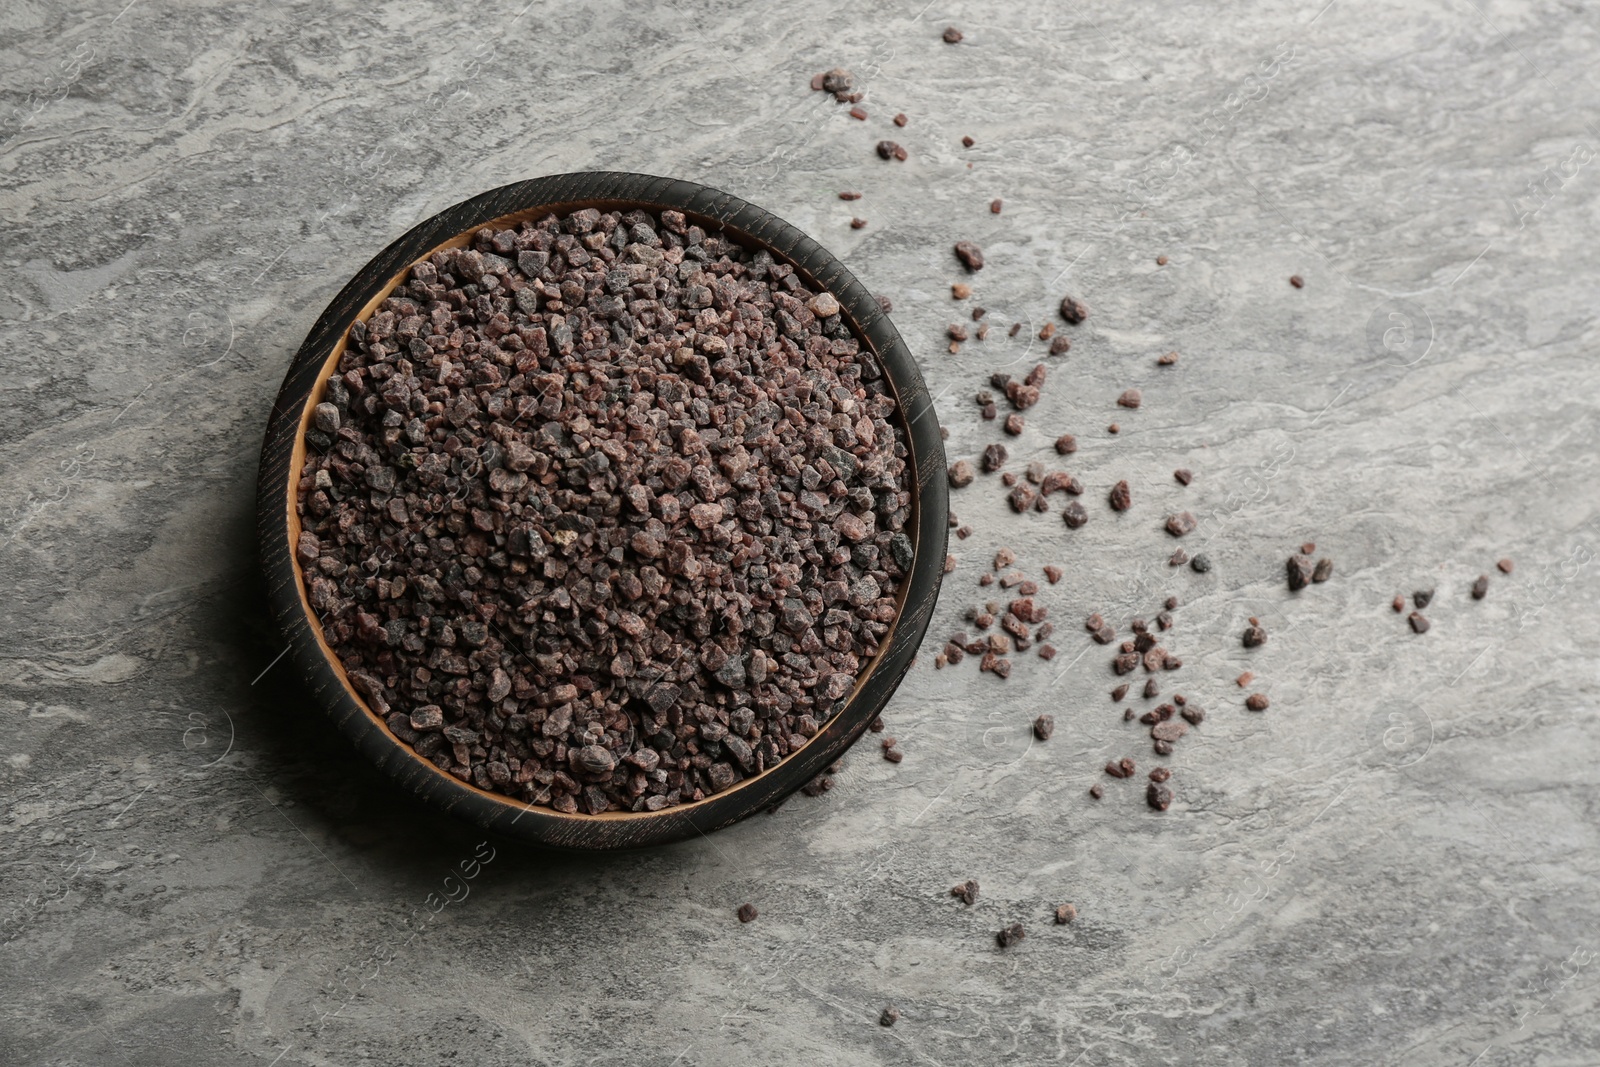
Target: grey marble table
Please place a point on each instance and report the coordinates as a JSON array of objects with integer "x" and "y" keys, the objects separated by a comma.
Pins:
[{"x": 1395, "y": 863}]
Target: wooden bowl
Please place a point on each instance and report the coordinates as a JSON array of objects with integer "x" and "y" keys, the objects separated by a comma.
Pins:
[{"x": 283, "y": 454}]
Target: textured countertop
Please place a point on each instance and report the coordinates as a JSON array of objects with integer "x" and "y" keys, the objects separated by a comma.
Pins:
[{"x": 1394, "y": 863}]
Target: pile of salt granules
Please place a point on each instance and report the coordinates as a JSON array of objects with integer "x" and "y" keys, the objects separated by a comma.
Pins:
[{"x": 605, "y": 512}]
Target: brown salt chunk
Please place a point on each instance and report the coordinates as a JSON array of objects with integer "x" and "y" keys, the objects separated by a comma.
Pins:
[
  {"x": 1027, "y": 609},
  {"x": 1183, "y": 475},
  {"x": 1130, "y": 398},
  {"x": 1158, "y": 796},
  {"x": 1480, "y": 588},
  {"x": 1323, "y": 571},
  {"x": 1065, "y": 913},
  {"x": 1506, "y": 566},
  {"x": 970, "y": 255},
  {"x": 1010, "y": 935},
  {"x": 1073, "y": 310},
  {"x": 1023, "y": 395},
  {"x": 1121, "y": 497},
  {"x": 747, "y": 913},
  {"x": 1419, "y": 622},
  {"x": 1256, "y": 702},
  {"x": 1066, "y": 444},
  {"x": 1169, "y": 731},
  {"x": 1182, "y": 523},
  {"x": 1060, "y": 480},
  {"x": 966, "y": 892},
  {"x": 1300, "y": 570}
]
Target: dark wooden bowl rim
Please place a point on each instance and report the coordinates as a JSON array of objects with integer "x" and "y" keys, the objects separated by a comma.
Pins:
[{"x": 283, "y": 456}]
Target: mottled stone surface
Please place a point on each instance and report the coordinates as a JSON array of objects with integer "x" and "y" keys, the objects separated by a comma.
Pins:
[{"x": 1393, "y": 864}]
